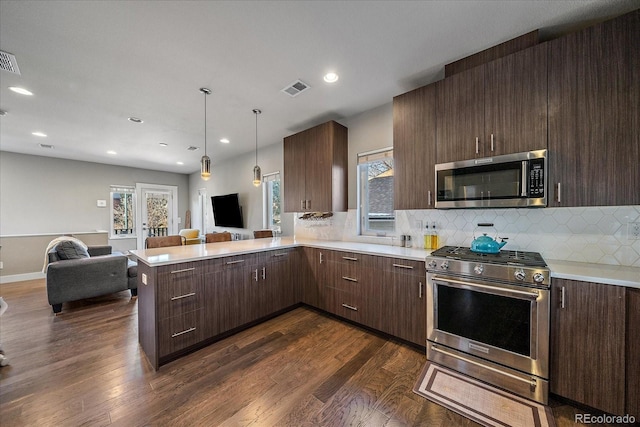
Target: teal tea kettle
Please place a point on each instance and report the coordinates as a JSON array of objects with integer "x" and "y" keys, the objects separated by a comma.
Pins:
[{"x": 485, "y": 244}]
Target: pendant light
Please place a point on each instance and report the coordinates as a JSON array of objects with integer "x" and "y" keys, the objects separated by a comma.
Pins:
[
  {"x": 205, "y": 161},
  {"x": 257, "y": 173}
]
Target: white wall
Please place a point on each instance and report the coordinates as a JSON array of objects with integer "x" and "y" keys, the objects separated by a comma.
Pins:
[
  {"x": 236, "y": 176},
  {"x": 41, "y": 195}
]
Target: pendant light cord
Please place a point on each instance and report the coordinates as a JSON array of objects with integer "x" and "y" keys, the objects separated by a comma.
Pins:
[
  {"x": 205, "y": 123},
  {"x": 256, "y": 113}
]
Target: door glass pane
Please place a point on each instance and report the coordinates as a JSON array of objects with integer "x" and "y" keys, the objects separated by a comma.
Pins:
[
  {"x": 157, "y": 214},
  {"x": 123, "y": 208}
]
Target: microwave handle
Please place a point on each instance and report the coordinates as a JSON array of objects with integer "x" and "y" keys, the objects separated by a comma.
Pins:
[{"x": 524, "y": 184}]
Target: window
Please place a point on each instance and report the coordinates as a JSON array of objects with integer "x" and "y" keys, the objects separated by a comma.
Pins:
[
  {"x": 271, "y": 202},
  {"x": 123, "y": 212},
  {"x": 375, "y": 192}
]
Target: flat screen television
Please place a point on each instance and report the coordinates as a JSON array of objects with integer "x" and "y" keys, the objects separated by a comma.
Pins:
[{"x": 227, "y": 211}]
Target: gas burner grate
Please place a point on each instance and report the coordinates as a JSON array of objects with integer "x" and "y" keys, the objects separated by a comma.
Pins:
[{"x": 532, "y": 259}]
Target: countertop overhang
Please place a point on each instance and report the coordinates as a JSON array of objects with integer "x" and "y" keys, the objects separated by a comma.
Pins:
[{"x": 598, "y": 273}]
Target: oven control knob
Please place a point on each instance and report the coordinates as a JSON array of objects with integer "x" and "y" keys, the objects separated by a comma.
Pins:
[
  {"x": 478, "y": 269},
  {"x": 520, "y": 274},
  {"x": 444, "y": 265},
  {"x": 432, "y": 264},
  {"x": 538, "y": 277}
]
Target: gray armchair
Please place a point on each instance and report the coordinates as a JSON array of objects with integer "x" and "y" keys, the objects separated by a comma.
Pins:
[{"x": 99, "y": 274}]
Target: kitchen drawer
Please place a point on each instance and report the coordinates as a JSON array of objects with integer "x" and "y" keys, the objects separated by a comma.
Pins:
[
  {"x": 184, "y": 293},
  {"x": 165, "y": 272},
  {"x": 399, "y": 265},
  {"x": 344, "y": 304},
  {"x": 278, "y": 256},
  {"x": 179, "y": 332},
  {"x": 347, "y": 277},
  {"x": 239, "y": 261}
]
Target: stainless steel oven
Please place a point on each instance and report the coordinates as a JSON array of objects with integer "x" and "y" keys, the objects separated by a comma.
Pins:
[{"x": 490, "y": 319}]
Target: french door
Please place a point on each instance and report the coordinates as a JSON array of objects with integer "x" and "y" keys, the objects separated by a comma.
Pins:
[{"x": 158, "y": 211}]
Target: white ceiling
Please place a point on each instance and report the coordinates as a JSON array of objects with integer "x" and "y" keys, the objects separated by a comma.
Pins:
[{"x": 92, "y": 64}]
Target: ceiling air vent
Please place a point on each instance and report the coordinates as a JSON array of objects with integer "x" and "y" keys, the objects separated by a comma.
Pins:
[
  {"x": 296, "y": 88},
  {"x": 192, "y": 148},
  {"x": 47, "y": 146},
  {"x": 8, "y": 63}
]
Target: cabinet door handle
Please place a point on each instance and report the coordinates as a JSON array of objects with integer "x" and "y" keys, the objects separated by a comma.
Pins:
[
  {"x": 183, "y": 296},
  {"x": 350, "y": 307},
  {"x": 235, "y": 262},
  {"x": 320, "y": 257},
  {"x": 420, "y": 291},
  {"x": 562, "y": 297},
  {"x": 308, "y": 204},
  {"x": 183, "y": 270},
  {"x": 429, "y": 198},
  {"x": 492, "y": 143},
  {"x": 558, "y": 199},
  {"x": 255, "y": 274},
  {"x": 350, "y": 279},
  {"x": 302, "y": 205},
  {"x": 264, "y": 273},
  {"x": 348, "y": 258},
  {"x": 186, "y": 331},
  {"x": 279, "y": 255},
  {"x": 410, "y": 267},
  {"x": 477, "y": 145}
]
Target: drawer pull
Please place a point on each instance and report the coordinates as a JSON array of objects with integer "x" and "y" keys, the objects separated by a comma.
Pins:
[
  {"x": 410, "y": 267},
  {"x": 264, "y": 273},
  {"x": 235, "y": 262},
  {"x": 183, "y": 270},
  {"x": 351, "y": 279},
  {"x": 183, "y": 296},
  {"x": 280, "y": 254},
  {"x": 349, "y": 258},
  {"x": 350, "y": 307},
  {"x": 186, "y": 331},
  {"x": 420, "y": 291}
]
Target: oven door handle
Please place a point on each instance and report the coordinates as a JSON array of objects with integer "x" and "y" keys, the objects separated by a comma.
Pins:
[{"x": 528, "y": 295}]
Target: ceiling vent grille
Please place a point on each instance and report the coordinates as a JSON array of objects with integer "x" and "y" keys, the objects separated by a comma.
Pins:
[
  {"x": 8, "y": 63},
  {"x": 192, "y": 148},
  {"x": 296, "y": 88},
  {"x": 47, "y": 146}
]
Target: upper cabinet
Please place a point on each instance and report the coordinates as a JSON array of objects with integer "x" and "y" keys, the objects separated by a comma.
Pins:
[
  {"x": 414, "y": 148},
  {"x": 496, "y": 108},
  {"x": 315, "y": 169},
  {"x": 594, "y": 134}
]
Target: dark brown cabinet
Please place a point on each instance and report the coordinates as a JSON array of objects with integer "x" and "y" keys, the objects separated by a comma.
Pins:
[
  {"x": 633, "y": 353},
  {"x": 588, "y": 344},
  {"x": 414, "y": 148},
  {"x": 594, "y": 125},
  {"x": 315, "y": 169},
  {"x": 494, "y": 109}
]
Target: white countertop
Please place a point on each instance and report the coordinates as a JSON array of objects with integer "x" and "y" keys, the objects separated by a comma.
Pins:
[{"x": 597, "y": 273}]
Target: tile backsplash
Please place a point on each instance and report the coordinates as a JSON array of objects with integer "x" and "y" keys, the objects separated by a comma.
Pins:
[{"x": 586, "y": 234}]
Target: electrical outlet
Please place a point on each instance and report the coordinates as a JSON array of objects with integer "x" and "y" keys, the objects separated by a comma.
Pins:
[
  {"x": 144, "y": 279},
  {"x": 634, "y": 230}
]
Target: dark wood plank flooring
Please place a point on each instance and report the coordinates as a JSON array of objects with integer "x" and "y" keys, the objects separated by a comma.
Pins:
[{"x": 303, "y": 368}]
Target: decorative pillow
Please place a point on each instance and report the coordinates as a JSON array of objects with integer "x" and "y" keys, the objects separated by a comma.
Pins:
[{"x": 70, "y": 250}]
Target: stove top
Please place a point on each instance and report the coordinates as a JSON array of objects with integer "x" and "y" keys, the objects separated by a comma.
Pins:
[{"x": 529, "y": 259}]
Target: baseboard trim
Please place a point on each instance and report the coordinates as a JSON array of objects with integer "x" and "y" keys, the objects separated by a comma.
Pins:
[{"x": 21, "y": 277}]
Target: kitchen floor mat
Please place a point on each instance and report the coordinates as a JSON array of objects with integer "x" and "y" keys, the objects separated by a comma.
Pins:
[{"x": 480, "y": 402}]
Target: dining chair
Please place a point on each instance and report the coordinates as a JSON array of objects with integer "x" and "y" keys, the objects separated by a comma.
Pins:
[
  {"x": 218, "y": 237},
  {"x": 261, "y": 234},
  {"x": 164, "y": 241}
]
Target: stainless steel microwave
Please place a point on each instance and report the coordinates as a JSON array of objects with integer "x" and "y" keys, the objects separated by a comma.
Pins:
[{"x": 510, "y": 180}]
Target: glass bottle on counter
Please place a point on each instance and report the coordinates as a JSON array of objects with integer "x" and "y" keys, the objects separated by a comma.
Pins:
[
  {"x": 435, "y": 241},
  {"x": 427, "y": 237}
]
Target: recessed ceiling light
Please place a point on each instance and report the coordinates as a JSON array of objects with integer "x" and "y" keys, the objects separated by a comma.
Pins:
[
  {"x": 163, "y": 144},
  {"x": 113, "y": 153},
  {"x": 331, "y": 77},
  {"x": 40, "y": 134},
  {"x": 224, "y": 140},
  {"x": 20, "y": 90},
  {"x": 135, "y": 120},
  {"x": 180, "y": 163}
]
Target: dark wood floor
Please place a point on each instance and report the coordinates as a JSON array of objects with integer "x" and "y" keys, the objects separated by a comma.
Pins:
[{"x": 303, "y": 368}]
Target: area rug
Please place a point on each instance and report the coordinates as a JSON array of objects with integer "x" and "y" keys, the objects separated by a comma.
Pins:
[{"x": 480, "y": 402}]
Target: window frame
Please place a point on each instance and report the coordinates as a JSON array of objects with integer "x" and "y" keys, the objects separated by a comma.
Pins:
[
  {"x": 362, "y": 193},
  {"x": 267, "y": 202},
  {"x": 123, "y": 189}
]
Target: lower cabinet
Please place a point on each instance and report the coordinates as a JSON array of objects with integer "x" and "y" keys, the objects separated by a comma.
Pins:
[
  {"x": 588, "y": 344},
  {"x": 633, "y": 353}
]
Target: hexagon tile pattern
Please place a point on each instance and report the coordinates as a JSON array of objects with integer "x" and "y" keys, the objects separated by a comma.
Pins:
[{"x": 586, "y": 234}]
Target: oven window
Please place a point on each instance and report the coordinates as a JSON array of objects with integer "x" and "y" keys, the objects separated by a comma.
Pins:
[{"x": 496, "y": 320}]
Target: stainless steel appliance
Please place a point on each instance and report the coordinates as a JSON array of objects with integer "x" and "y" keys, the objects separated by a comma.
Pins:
[
  {"x": 488, "y": 317},
  {"x": 511, "y": 180}
]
